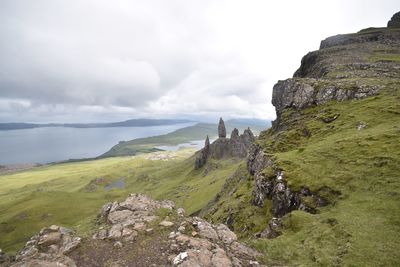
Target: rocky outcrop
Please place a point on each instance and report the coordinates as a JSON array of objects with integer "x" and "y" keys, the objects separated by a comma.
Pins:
[
  {"x": 126, "y": 219},
  {"x": 346, "y": 67},
  {"x": 203, "y": 155},
  {"x": 381, "y": 35},
  {"x": 394, "y": 22},
  {"x": 49, "y": 248},
  {"x": 139, "y": 231},
  {"x": 235, "y": 147},
  {"x": 221, "y": 128},
  {"x": 209, "y": 245},
  {"x": 191, "y": 241},
  {"x": 271, "y": 184},
  {"x": 303, "y": 93}
]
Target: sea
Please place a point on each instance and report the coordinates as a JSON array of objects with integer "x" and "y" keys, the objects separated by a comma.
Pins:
[{"x": 53, "y": 144}]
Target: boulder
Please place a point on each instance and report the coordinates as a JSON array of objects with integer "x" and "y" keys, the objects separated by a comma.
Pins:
[{"x": 48, "y": 248}]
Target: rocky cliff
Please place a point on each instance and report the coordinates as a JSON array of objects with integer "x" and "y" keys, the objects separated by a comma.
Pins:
[
  {"x": 345, "y": 68},
  {"x": 316, "y": 177},
  {"x": 234, "y": 147}
]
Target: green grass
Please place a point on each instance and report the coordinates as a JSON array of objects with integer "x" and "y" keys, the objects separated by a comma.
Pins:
[
  {"x": 362, "y": 226},
  {"x": 59, "y": 194},
  {"x": 360, "y": 168}
]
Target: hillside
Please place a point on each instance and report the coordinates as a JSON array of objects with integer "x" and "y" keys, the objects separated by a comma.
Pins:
[
  {"x": 37, "y": 198},
  {"x": 321, "y": 187},
  {"x": 325, "y": 177}
]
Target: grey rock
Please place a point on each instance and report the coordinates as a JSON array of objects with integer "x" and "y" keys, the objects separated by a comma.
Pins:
[
  {"x": 235, "y": 134},
  {"x": 221, "y": 129},
  {"x": 299, "y": 94},
  {"x": 166, "y": 223},
  {"x": 394, "y": 22},
  {"x": 181, "y": 212},
  {"x": 273, "y": 230},
  {"x": 48, "y": 248},
  {"x": 234, "y": 147},
  {"x": 225, "y": 234}
]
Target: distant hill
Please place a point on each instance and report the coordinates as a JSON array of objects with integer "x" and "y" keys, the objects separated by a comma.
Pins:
[
  {"x": 127, "y": 123},
  {"x": 251, "y": 122},
  {"x": 198, "y": 131}
]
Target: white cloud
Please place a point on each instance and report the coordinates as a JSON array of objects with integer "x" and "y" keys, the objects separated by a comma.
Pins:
[{"x": 83, "y": 60}]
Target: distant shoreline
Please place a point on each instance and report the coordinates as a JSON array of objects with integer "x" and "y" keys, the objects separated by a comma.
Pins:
[
  {"x": 11, "y": 168},
  {"x": 9, "y": 126}
]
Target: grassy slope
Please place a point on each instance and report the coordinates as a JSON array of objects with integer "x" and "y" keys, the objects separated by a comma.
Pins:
[
  {"x": 65, "y": 193},
  {"x": 187, "y": 134},
  {"x": 363, "y": 227}
]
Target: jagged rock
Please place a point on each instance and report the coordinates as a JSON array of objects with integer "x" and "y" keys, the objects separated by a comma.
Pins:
[
  {"x": 212, "y": 245},
  {"x": 220, "y": 258},
  {"x": 181, "y": 212},
  {"x": 207, "y": 146},
  {"x": 379, "y": 35},
  {"x": 236, "y": 146},
  {"x": 235, "y": 134},
  {"x": 119, "y": 216},
  {"x": 180, "y": 258},
  {"x": 203, "y": 155},
  {"x": 225, "y": 234},
  {"x": 273, "y": 229},
  {"x": 299, "y": 94},
  {"x": 209, "y": 245},
  {"x": 221, "y": 129},
  {"x": 205, "y": 229},
  {"x": 48, "y": 248},
  {"x": 257, "y": 160},
  {"x": 394, "y": 22}
]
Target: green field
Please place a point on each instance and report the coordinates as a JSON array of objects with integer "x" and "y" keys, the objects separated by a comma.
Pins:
[{"x": 68, "y": 194}]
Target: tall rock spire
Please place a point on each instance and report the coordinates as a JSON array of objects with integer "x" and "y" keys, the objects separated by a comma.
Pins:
[
  {"x": 207, "y": 146},
  {"x": 221, "y": 129}
]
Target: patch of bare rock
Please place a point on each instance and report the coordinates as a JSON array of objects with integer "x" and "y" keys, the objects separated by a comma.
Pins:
[
  {"x": 48, "y": 248},
  {"x": 140, "y": 231}
]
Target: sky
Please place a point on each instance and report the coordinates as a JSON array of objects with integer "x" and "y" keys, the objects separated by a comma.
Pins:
[{"x": 102, "y": 60}]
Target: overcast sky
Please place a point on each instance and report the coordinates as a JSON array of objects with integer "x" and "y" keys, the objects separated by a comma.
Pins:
[{"x": 102, "y": 60}]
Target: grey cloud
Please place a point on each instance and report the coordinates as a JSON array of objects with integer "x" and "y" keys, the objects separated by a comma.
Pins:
[{"x": 100, "y": 60}]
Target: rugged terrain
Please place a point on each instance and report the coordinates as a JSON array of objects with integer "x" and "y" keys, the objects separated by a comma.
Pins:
[
  {"x": 320, "y": 188},
  {"x": 326, "y": 175}
]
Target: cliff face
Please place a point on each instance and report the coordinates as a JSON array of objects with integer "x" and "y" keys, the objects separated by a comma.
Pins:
[
  {"x": 347, "y": 67},
  {"x": 333, "y": 118},
  {"x": 324, "y": 177}
]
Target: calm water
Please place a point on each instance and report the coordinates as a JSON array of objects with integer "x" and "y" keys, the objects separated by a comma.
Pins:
[{"x": 43, "y": 145}]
